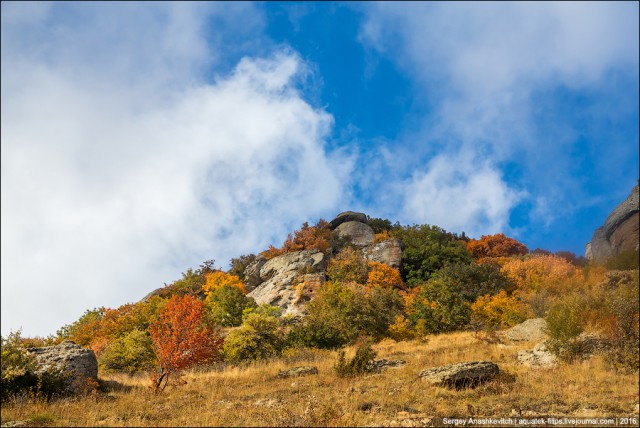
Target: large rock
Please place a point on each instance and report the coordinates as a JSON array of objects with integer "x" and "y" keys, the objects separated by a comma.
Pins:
[
  {"x": 347, "y": 216},
  {"x": 290, "y": 280},
  {"x": 388, "y": 252},
  {"x": 298, "y": 371},
  {"x": 359, "y": 234},
  {"x": 539, "y": 356},
  {"x": 252, "y": 273},
  {"x": 530, "y": 330},
  {"x": 460, "y": 374},
  {"x": 78, "y": 362},
  {"x": 620, "y": 231}
]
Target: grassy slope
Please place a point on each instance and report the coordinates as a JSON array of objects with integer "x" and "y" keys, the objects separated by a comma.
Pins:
[{"x": 251, "y": 396}]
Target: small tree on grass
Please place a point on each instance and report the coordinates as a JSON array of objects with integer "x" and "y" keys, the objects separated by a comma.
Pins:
[{"x": 181, "y": 340}]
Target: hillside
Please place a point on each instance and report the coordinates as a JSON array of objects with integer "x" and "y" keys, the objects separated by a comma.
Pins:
[
  {"x": 559, "y": 334},
  {"x": 253, "y": 396}
]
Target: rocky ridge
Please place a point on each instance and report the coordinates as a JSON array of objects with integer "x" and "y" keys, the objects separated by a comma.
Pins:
[{"x": 620, "y": 231}]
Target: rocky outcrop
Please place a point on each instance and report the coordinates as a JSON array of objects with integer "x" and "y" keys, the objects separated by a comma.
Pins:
[
  {"x": 538, "y": 357},
  {"x": 78, "y": 362},
  {"x": 460, "y": 374},
  {"x": 252, "y": 273},
  {"x": 347, "y": 216},
  {"x": 620, "y": 231},
  {"x": 298, "y": 371},
  {"x": 530, "y": 330},
  {"x": 359, "y": 234},
  {"x": 388, "y": 252},
  {"x": 289, "y": 280}
]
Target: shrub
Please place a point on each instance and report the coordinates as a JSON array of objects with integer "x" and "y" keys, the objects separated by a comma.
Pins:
[
  {"x": 226, "y": 305},
  {"x": 348, "y": 266},
  {"x": 500, "y": 310},
  {"x": 341, "y": 313},
  {"x": 498, "y": 245},
  {"x": 426, "y": 250},
  {"x": 620, "y": 323},
  {"x": 439, "y": 307},
  {"x": 564, "y": 325},
  {"x": 401, "y": 329},
  {"x": 238, "y": 265},
  {"x": 380, "y": 225},
  {"x": 257, "y": 338},
  {"x": 18, "y": 373},
  {"x": 218, "y": 279},
  {"x": 384, "y": 276},
  {"x": 473, "y": 280},
  {"x": 361, "y": 362},
  {"x": 382, "y": 236},
  {"x": 306, "y": 238},
  {"x": 626, "y": 260},
  {"x": 131, "y": 353},
  {"x": 535, "y": 272}
]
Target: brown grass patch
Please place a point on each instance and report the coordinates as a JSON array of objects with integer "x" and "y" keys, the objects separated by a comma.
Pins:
[{"x": 252, "y": 395}]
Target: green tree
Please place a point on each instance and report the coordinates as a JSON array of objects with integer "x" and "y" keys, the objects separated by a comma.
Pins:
[
  {"x": 341, "y": 313},
  {"x": 226, "y": 304},
  {"x": 130, "y": 353},
  {"x": 258, "y": 337},
  {"x": 238, "y": 265},
  {"x": 473, "y": 280},
  {"x": 439, "y": 307},
  {"x": 426, "y": 250}
]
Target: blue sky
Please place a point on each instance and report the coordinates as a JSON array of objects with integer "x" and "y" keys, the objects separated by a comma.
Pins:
[{"x": 140, "y": 139}]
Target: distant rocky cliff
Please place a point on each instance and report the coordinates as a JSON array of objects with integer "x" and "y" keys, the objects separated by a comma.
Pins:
[{"x": 619, "y": 232}]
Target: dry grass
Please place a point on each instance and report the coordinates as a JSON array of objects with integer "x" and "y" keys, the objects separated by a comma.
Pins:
[{"x": 252, "y": 396}]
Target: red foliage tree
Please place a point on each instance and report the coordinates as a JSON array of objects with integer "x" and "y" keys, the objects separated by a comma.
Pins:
[
  {"x": 498, "y": 245},
  {"x": 181, "y": 339}
]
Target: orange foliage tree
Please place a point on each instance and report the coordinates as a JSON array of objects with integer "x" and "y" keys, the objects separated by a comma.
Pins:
[
  {"x": 307, "y": 238},
  {"x": 498, "y": 245},
  {"x": 181, "y": 339},
  {"x": 384, "y": 276},
  {"x": 536, "y": 272},
  {"x": 219, "y": 279}
]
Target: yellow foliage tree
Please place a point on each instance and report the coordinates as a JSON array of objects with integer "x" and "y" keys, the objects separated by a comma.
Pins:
[
  {"x": 539, "y": 272},
  {"x": 384, "y": 276},
  {"x": 219, "y": 279},
  {"x": 501, "y": 310}
]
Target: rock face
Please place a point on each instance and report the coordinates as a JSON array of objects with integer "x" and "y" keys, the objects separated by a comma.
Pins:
[
  {"x": 252, "y": 273},
  {"x": 289, "y": 280},
  {"x": 68, "y": 357},
  {"x": 539, "y": 356},
  {"x": 530, "y": 330},
  {"x": 460, "y": 374},
  {"x": 620, "y": 231},
  {"x": 360, "y": 234},
  {"x": 347, "y": 216},
  {"x": 388, "y": 252}
]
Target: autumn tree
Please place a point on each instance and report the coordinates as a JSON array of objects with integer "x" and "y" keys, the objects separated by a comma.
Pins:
[
  {"x": 219, "y": 279},
  {"x": 498, "y": 245},
  {"x": 348, "y": 266},
  {"x": 181, "y": 339},
  {"x": 306, "y": 238},
  {"x": 384, "y": 276}
]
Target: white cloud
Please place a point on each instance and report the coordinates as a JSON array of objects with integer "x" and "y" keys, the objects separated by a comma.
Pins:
[
  {"x": 460, "y": 193},
  {"x": 122, "y": 166},
  {"x": 480, "y": 67}
]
